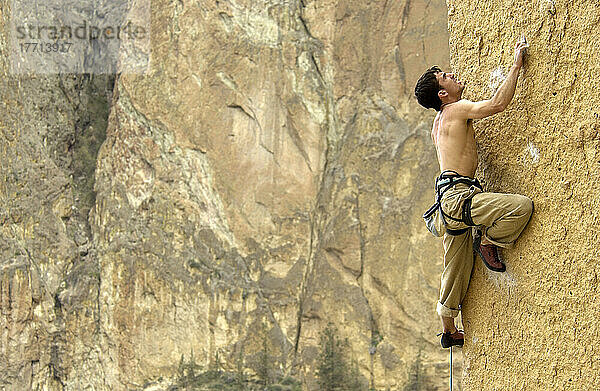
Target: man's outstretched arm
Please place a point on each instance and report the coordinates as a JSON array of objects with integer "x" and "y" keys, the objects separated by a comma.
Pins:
[{"x": 502, "y": 97}]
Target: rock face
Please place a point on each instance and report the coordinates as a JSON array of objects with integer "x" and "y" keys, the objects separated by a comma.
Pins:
[
  {"x": 51, "y": 129},
  {"x": 265, "y": 177},
  {"x": 533, "y": 328}
]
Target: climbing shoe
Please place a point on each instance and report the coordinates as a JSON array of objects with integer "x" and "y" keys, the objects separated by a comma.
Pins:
[
  {"x": 453, "y": 339},
  {"x": 489, "y": 254}
]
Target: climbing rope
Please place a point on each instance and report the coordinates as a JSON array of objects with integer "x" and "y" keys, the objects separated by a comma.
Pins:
[{"x": 450, "y": 368}]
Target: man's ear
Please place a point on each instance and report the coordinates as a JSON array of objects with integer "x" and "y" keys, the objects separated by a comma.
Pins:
[{"x": 442, "y": 93}]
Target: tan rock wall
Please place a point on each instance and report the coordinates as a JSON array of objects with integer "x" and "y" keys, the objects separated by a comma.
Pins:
[
  {"x": 50, "y": 130},
  {"x": 534, "y": 327},
  {"x": 279, "y": 154}
]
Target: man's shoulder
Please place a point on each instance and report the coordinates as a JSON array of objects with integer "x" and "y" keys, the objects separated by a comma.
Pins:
[
  {"x": 462, "y": 104},
  {"x": 458, "y": 110},
  {"x": 466, "y": 109}
]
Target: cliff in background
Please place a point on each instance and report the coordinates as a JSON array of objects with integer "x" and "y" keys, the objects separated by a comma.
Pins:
[
  {"x": 51, "y": 128},
  {"x": 267, "y": 174},
  {"x": 535, "y": 326}
]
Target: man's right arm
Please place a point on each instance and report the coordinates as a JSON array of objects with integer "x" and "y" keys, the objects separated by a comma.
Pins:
[{"x": 502, "y": 97}]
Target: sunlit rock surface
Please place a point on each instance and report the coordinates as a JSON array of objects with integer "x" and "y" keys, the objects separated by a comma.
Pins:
[{"x": 535, "y": 326}]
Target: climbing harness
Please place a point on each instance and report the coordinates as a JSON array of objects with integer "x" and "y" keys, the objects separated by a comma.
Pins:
[{"x": 435, "y": 217}]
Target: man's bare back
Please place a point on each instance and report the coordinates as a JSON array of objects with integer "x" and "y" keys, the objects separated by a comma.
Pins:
[{"x": 454, "y": 141}]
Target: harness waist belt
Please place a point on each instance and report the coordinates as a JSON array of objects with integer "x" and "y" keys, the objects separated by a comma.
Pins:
[{"x": 445, "y": 182}]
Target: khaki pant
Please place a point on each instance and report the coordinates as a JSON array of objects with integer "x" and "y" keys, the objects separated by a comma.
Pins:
[{"x": 501, "y": 217}]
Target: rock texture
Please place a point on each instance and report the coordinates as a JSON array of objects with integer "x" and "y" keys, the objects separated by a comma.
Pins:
[
  {"x": 265, "y": 177},
  {"x": 51, "y": 129},
  {"x": 534, "y": 327}
]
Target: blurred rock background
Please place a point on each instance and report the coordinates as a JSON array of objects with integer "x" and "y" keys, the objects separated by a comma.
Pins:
[{"x": 264, "y": 178}]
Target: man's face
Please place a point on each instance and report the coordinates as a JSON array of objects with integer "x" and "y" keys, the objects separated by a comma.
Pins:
[{"x": 449, "y": 83}]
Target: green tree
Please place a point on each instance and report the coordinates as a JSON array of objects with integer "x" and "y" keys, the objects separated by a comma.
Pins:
[
  {"x": 353, "y": 382},
  {"x": 181, "y": 371},
  {"x": 186, "y": 372},
  {"x": 415, "y": 375},
  {"x": 265, "y": 362},
  {"x": 333, "y": 371}
]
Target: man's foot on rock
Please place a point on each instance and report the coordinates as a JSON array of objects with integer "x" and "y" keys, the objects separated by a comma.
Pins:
[
  {"x": 489, "y": 254},
  {"x": 453, "y": 339}
]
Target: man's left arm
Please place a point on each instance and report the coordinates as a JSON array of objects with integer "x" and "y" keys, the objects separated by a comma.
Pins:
[{"x": 502, "y": 97}]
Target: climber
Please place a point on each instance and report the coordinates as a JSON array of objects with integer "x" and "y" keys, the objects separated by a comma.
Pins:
[{"x": 497, "y": 219}]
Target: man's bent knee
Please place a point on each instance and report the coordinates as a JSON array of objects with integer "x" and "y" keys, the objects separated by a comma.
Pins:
[
  {"x": 444, "y": 311},
  {"x": 525, "y": 206}
]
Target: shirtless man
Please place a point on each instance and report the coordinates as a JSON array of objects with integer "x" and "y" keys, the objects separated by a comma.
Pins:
[{"x": 498, "y": 219}]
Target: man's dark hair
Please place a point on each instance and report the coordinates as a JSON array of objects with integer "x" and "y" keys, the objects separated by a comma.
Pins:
[{"x": 427, "y": 89}]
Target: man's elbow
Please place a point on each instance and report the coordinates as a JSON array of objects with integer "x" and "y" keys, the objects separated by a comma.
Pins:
[
  {"x": 497, "y": 107},
  {"x": 500, "y": 107}
]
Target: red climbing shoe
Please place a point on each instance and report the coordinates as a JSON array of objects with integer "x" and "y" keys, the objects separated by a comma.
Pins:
[
  {"x": 489, "y": 254},
  {"x": 453, "y": 339}
]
